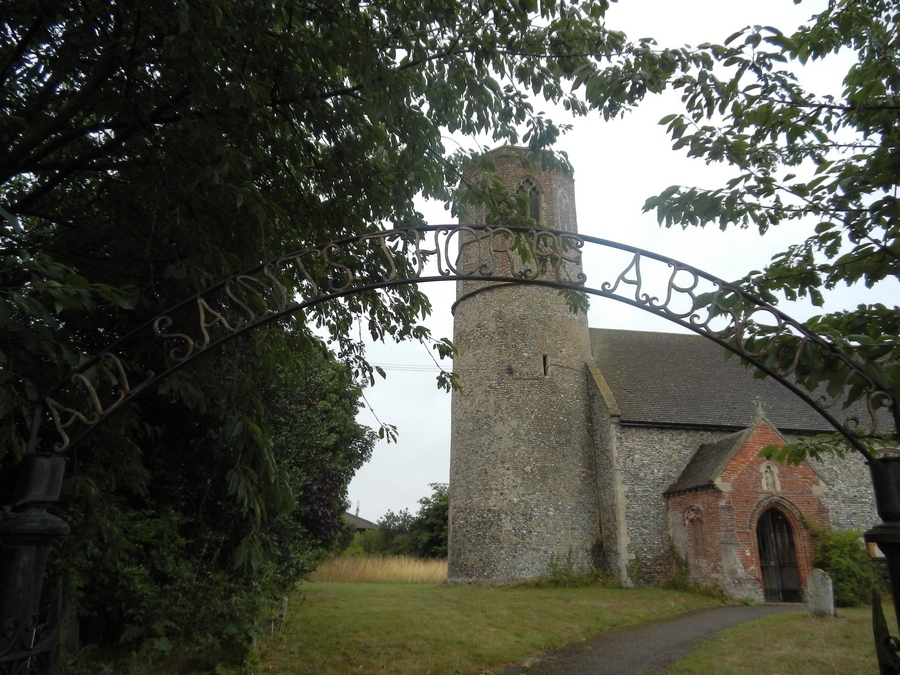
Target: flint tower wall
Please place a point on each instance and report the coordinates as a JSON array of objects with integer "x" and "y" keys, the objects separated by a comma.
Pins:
[{"x": 522, "y": 483}]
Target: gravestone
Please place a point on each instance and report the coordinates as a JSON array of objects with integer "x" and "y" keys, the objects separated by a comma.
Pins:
[{"x": 820, "y": 593}]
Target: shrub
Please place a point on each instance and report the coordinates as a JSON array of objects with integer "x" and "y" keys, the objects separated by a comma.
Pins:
[
  {"x": 562, "y": 574},
  {"x": 680, "y": 578},
  {"x": 853, "y": 573}
]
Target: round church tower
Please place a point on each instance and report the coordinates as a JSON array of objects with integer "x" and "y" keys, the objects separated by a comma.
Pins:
[{"x": 522, "y": 485}]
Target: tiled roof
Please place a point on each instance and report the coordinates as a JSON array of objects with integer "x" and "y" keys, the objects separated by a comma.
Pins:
[
  {"x": 359, "y": 523},
  {"x": 667, "y": 379},
  {"x": 708, "y": 462}
]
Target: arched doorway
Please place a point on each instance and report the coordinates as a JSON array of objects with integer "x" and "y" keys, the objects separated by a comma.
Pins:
[{"x": 778, "y": 558}]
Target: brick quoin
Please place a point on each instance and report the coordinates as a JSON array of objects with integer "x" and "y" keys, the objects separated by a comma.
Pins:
[{"x": 729, "y": 511}]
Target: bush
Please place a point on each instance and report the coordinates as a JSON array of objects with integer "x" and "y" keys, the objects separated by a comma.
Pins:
[
  {"x": 680, "y": 579},
  {"x": 423, "y": 535},
  {"x": 562, "y": 574},
  {"x": 168, "y": 550},
  {"x": 853, "y": 572}
]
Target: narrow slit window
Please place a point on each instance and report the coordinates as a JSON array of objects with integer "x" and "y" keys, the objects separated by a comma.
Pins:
[{"x": 546, "y": 365}]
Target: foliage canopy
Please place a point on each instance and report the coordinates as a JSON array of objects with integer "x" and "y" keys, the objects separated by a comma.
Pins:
[
  {"x": 830, "y": 158},
  {"x": 423, "y": 535},
  {"x": 151, "y": 148}
]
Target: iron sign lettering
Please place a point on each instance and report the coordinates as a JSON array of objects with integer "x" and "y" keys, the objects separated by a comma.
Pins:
[{"x": 673, "y": 290}]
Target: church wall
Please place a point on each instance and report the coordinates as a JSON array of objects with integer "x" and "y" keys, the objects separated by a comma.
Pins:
[
  {"x": 711, "y": 510},
  {"x": 650, "y": 460},
  {"x": 849, "y": 496},
  {"x": 557, "y": 203},
  {"x": 795, "y": 490},
  {"x": 730, "y": 556},
  {"x": 607, "y": 553},
  {"x": 522, "y": 476}
]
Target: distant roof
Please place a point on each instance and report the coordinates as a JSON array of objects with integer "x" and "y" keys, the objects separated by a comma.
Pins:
[
  {"x": 359, "y": 523},
  {"x": 708, "y": 462},
  {"x": 668, "y": 379}
]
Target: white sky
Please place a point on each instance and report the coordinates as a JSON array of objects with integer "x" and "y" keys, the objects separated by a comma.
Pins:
[{"x": 617, "y": 165}]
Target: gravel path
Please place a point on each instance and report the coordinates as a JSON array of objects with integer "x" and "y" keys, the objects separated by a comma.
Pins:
[{"x": 644, "y": 649}]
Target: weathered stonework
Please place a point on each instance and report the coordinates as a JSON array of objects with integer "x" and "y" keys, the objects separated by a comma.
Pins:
[
  {"x": 726, "y": 514},
  {"x": 546, "y": 463},
  {"x": 612, "y": 551},
  {"x": 849, "y": 495},
  {"x": 522, "y": 486},
  {"x": 650, "y": 460},
  {"x": 637, "y": 464}
]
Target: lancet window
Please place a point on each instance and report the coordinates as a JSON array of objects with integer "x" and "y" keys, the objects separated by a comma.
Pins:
[{"x": 532, "y": 189}]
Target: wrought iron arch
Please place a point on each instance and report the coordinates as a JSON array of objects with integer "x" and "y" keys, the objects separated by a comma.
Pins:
[{"x": 716, "y": 309}]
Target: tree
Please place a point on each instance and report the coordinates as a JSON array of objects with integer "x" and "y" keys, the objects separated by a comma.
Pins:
[
  {"x": 395, "y": 531},
  {"x": 150, "y": 148},
  {"x": 423, "y": 534},
  {"x": 831, "y": 159},
  {"x": 222, "y": 132},
  {"x": 173, "y": 557},
  {"x": 431, "y": 525}
]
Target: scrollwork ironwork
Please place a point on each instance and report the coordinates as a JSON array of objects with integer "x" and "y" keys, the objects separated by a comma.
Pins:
[
  {"x": 27, "y": 646},
  {"x": 718, "y": 310},
  {"x": 99, "y": 412}
]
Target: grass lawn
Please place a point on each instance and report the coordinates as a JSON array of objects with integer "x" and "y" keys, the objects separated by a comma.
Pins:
[
  {"x": 434, "y": 629},
  {"x": 790, "y": 644},
  {"x": 440, "y": 629}
]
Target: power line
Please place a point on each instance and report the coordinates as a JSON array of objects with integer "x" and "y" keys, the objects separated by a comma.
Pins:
[{"x": 408, "y": 367}]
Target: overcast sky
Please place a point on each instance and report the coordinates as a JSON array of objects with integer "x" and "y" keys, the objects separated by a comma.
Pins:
[{"x": 617, "y": 165}]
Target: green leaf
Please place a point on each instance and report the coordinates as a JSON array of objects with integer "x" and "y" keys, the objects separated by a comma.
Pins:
[{"x": 77, "y": 281}]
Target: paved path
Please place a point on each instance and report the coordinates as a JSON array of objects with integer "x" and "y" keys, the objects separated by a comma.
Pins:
[{"x": 644, "y": 649}]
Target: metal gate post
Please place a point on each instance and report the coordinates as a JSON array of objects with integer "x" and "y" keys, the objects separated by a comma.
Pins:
[
  {"x": 886, "y": 483},
  {"x": 26, "y": 644}
]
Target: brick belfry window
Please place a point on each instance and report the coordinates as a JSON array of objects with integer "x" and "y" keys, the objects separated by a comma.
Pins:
[
  {"x": 530, "y": 187},
  {"x": 693, "y": 523}
]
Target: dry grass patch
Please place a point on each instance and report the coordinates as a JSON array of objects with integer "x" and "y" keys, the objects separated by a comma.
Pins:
[
  {"x": 395, "y": 569},
  {"x": 795, "y": 643}
]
